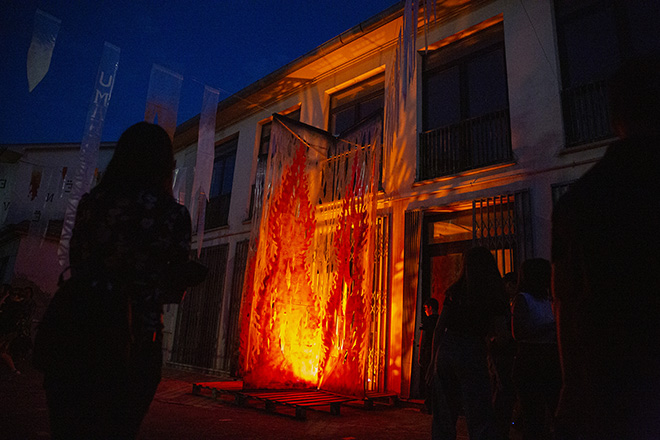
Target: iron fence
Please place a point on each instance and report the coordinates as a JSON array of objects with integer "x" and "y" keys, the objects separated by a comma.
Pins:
[
  {"x": 586, "y": 114},
  {"x": 472, "y": 143}
]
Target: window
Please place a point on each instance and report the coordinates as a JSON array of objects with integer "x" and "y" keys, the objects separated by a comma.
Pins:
[
  {"x": 465, "y": 106},
  {"x": 356, "y": 103},
  {"x": 217, "y": 209},
  {"x": 262, "y": 158},
  {"x": 593, "y": 37}
]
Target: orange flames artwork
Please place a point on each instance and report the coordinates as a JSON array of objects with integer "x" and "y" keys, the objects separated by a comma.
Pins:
[{"x": 295, "y": 332}]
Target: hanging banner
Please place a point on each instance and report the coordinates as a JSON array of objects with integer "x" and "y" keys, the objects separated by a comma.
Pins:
[
  {"x": 204, "y": 162},
  {"x": 89, "y": 148},
  {"x": 46, "y": 28},
  {"x": 409, "y": 56},
  {"x": 163, "y": 98},
  {"x": 179, "y": 185}
]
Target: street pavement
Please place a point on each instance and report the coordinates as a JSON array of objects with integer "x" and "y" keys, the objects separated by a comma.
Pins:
[{"x": 178, "y": 414}]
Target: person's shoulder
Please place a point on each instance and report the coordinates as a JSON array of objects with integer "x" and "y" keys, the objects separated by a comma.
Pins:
[
  {"x": 521, "y": 299},
  {"x": 175, "y": 210}
]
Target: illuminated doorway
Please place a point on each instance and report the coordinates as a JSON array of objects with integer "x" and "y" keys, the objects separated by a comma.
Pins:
[{"x": 501, "y": 223}]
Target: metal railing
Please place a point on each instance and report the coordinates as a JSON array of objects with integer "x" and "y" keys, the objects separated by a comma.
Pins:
[
  {"x": 472, "y": 143},
  {"x": 586, "y": 114}
]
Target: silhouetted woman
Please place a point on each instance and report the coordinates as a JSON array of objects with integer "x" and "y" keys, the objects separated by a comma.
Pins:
[
  {"x": 473, "y": 308},
  {"x": 130, "y": 235},
  {"x": 536, "y": 370}
]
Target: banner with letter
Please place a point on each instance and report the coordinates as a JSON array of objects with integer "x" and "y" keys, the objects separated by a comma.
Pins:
[{"x": 89, "y": 147}]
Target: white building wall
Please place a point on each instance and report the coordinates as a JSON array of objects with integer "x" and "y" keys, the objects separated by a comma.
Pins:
[{"x": 540, "y": 157}]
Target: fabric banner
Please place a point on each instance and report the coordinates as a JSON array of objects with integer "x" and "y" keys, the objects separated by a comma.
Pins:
[
  {"x": 46, "y": 28},
  {"x": 392, "y": 107},
  {"x": 89, "y": 147},
  {"x": 179, "y": 185},
  {"x": 401, "y": 71},
  {"x": 204, "y": 162},
  {"x": 430, "y": 15},
  {"x": 409, "y": 43},
  {"x": 307, "y": 292},
  {"x": 163, "y": 98}
]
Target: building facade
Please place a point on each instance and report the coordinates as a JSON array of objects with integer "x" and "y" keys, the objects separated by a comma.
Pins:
[
  {"x": 486, "y": 122},
  {"x": 505, "y": 108}
]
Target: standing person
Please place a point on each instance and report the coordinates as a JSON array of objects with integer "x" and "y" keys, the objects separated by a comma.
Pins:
[
  {"x": 429, "y": 319},
  {"x": 536, "y": 371},
  {"x": 606, "y": 255},
  {"x": 501, "y": 353},
  {"x": 473, "y": 307},
  {"x": 130, "y": 238}
]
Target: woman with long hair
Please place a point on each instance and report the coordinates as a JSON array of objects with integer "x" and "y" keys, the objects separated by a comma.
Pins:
[
  {"x": 473, "y": 309},
  {"x": 129, "y": 238}
]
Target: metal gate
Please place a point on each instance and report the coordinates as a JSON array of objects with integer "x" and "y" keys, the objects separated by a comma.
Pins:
[
  {"x": 196, "y": 333},
  {"x": 229, "y": 355},
  {"x": 377, "y": 359},
  {"x": 503, "y": 224}
]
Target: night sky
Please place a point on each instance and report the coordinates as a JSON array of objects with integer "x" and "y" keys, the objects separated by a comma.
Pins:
[{"x": 225, "y": 44}]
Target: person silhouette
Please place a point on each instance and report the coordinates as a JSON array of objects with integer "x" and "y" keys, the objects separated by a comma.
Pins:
[
  {"x": 606, "y": 285},
  {"x": 474, "y": 307},
  {"x": 429, "y": 319},
  {"x": 536, "y": 372},
  {"x": 130, "y": 236}
]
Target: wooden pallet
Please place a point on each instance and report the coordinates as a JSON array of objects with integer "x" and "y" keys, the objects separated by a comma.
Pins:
[
  {"x": 219, "y": 390},
  {"x": 373, "y": 397},
  {"x": 299, "y": 400}
]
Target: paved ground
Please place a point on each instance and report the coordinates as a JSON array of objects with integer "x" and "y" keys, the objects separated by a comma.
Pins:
[{"x": 178, "y": 414}]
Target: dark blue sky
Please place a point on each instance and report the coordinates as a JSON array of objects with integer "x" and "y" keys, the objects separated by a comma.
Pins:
[{"x": 225, "y": 44}]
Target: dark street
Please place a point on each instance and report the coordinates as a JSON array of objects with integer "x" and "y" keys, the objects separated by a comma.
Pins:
[{"x": 178, "y": 414}]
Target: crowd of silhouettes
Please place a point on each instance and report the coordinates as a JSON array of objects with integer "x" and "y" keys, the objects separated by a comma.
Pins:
[{"x": 581, "y": 360}]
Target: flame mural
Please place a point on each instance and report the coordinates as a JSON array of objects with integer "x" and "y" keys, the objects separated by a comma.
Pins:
[{"x": 305, "y": 313}]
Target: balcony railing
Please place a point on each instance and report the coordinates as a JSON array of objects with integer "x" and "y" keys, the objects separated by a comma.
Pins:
[
  {"x": 586, "y": 115},
  {"x": 472, "y": 143}
]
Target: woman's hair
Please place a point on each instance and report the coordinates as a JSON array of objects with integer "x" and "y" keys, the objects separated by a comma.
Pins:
[
  {"x": 535, "y": 276},
  {"x": 480, "y": 277},
  {"x": 143, "y": 158}
]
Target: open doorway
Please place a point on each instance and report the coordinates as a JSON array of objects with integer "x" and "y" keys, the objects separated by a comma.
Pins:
[{"x": 501, "y": 223}]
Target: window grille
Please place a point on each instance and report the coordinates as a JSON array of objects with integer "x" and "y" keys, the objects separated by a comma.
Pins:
[
  {"x": 606, "y": 33},
  {"x": 377, "y": 358},
  {"x": 217, "y": 209},
  {"x": 503, "y": 224},
  {"x": 196, "y": 333},
  {"x": 229, "y": 359}
]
